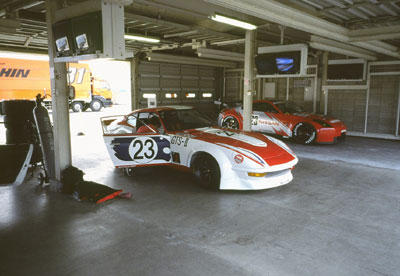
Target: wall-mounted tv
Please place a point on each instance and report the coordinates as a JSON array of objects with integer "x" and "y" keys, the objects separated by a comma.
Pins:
[
  {"x": 282, "y": 60},
  {"x": 278, "y": 63}
]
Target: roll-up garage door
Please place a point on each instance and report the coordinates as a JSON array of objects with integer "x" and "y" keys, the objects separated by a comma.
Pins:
[
  {"x": 348, "y": 106},
  {"x": 382, "y": 107},
  {"x": 233, "y": 86},
  {"x": 176, "y": 83}
]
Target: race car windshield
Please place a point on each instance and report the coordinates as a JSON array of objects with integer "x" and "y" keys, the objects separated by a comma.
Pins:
[
  {"x": 289, "y": 107},
  {"x": 176, "y": 120}
]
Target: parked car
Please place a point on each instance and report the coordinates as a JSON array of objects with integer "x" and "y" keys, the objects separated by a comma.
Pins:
[
  {"x": 285, "y": 119},
  {"x": 182, "y": 136}
]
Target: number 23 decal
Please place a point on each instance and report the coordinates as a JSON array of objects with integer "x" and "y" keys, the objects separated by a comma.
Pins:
[
  {"x": 143, "y": 150},
  {"x": 254, "y": 120}
]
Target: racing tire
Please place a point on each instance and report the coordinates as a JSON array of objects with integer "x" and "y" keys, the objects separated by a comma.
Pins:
[
  {"x": 16, "y": 136},
  {"x": 129, "y": 171},
  {"x": 96, "y": 105},
  {"x": 12, "y": 122},
  {"x": 206, "y": 171},
  {"x": 230, "y": 122},
  {"x": 77, "y": 107},
  {"x": 18, "y": 108},
  {"x": 304, "y": 134}
]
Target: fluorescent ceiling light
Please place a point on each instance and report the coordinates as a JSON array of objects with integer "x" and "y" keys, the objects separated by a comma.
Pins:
[
  {"x": 142, "y": 38},
  {"x": 233, "y": 22}
]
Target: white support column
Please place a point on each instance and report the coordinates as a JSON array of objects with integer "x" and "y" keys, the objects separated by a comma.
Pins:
[
  {"x": 60, "y": 105},
  {"x": 324, "y": 77},
  {"x": 398, "y": 114},
  {"x": 135, "y": 83},
  {"x": 248, "y": 87},
  {"x": 367, "y": 98},
  {"x": 326, "y": 92},
  {"x": 223, "y": 98},
  {"x": 287, "y": 88},
  {"x": 315, "y": 92}
]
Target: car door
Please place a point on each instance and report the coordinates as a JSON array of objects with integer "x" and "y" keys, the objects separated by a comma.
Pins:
[
  {"x": 128, "y": 148},
  {"x": 268, "y": 120}
]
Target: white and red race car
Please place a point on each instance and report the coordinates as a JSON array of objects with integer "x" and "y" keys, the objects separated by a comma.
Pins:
[
  {"x": 287, "y": 120},
  {"x": 182, "y": 136}
]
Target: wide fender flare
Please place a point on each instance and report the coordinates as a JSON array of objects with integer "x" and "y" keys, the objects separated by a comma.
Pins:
[
  {"x": 217, "y": 153},
  {"x": 236, "y": 115},
  {"x": 315, "y": 125}
]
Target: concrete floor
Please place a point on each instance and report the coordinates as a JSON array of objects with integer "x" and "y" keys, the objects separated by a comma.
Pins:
[{"x": 339, "y": 216}]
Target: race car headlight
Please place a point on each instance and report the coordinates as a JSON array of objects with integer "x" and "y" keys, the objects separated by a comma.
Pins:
[
  {"x": 322, "y": 123},
  {"x": 253, "y": 174}
]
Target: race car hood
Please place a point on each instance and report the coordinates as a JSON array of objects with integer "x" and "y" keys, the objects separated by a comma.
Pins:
[{"x": 254, "y": 146}]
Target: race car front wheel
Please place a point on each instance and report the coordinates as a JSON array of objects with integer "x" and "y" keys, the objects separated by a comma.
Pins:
[
  {"x": 206, "y": 171},
  {"x": 230, "y": 122},
  {"x": 304, "y": 133}
]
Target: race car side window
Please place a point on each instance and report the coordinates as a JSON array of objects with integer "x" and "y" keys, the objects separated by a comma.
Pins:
[
  {"x": 131, "y": 120},
  {"x": 264, "y": 107},
  {"x": 149, "y": 122},
  {"x": 257, "y": 107}
]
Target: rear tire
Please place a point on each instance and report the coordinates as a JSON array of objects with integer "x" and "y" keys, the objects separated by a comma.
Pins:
[
  {"x": 230, "y": 122},
  {"x": 304, "y": 134},
  {"x": 18, "y": 108},
  {"x": 206, "y": 170}
]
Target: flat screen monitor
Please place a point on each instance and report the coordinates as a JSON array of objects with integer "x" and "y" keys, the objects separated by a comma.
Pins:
[{"x": 278, "y": 63}]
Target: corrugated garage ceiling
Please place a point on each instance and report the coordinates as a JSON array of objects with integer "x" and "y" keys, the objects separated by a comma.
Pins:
[{"x": 372, "y": 25}]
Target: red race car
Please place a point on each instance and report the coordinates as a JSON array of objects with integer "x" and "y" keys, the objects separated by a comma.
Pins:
[{"x": 287, "y": 120}]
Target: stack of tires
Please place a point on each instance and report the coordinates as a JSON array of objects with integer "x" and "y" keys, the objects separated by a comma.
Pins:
[{"x": 20, "y": 125}]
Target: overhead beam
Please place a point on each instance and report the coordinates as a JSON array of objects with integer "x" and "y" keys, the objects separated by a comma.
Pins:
[
  {"x": 26, "y": 5},
  {"x": 189, "y": 60},
  {"x": 382, "y": 45},
  {"x": 340, "y": 48},
  {"x": 380, "y": 33},
  {"x": 218, "y": 54},
  {"x": 228, "y": 42},
  {"x": 377, "y": 48},
  {"x": 184, "y": 28},
  {"x": 175, "y": 8},
  {"x": 282, "y": 14},
  {"x": 181, "y": 34}
]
